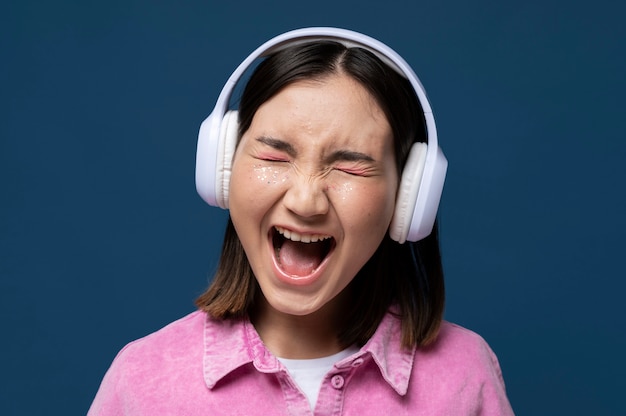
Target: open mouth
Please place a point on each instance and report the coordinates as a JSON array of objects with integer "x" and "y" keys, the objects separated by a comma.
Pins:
[{"x": 299, "y": 255}]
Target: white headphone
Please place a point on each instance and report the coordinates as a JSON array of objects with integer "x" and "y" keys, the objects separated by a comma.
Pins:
[{"x": 423, "y": 176}]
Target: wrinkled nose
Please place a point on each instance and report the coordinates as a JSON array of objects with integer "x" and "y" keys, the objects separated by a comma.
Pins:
[{"x": 306, "y": 197}]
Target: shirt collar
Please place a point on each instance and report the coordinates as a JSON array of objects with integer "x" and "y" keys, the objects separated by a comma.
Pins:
[
  {"x": 394, "y": 361},
  {"x": 230, "y": 344}
]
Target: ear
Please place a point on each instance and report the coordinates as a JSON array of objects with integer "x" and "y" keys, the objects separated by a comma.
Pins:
[{"x": 408, "y": 192}]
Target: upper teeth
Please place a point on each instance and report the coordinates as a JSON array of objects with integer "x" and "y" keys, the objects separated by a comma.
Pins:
[{"x": 303, "y": 238}]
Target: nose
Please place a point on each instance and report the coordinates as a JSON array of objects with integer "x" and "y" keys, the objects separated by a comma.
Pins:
[{"x": 306, "y": 196}]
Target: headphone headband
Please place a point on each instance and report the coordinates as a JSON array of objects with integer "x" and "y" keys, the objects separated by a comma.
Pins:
[{"x": 349, "y": 39}]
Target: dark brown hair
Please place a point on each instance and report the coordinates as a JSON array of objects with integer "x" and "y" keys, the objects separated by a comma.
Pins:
[{"x": 408, "y": 275}]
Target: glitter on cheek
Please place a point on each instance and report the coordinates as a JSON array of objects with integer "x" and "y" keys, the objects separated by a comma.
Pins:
[
  {"x": 268, "y": 174},
  {"x": 342, "y": 190},
  {"x": 260, "y": 172}
]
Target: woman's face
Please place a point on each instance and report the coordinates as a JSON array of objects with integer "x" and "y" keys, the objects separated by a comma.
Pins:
[{"x": 312, "y": 190}]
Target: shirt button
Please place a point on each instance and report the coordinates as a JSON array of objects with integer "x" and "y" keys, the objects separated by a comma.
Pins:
[
  {"x": 357, "y": 362},
  {"x": 337, "y": 381}
]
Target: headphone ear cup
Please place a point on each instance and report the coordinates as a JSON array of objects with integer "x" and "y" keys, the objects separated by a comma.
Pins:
[
  {"x": 408, "y": 192},
  {"x": 227, "y": 143}
]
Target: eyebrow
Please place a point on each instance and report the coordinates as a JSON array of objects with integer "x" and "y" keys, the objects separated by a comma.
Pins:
[{"x": 343, "y": 155}]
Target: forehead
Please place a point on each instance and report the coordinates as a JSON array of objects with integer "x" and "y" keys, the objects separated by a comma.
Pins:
[{"x": 336, "y": 108}]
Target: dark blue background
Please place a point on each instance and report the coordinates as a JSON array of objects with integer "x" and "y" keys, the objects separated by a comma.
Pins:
[{"x": 103, "y": 238}]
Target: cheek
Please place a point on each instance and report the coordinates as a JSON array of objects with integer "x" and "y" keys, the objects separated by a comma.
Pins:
[
  {"x": 268, "y": 175},
  {"x": 342, "y": 191},
  {"x": 254, "y": 188},
  {"x": 366, "y": 201}
]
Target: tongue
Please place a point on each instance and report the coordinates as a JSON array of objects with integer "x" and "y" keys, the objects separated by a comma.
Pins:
[{"x": 300, "y": 259}]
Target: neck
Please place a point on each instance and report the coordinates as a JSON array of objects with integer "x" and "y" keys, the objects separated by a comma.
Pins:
[{"x": 299, "y": 337}]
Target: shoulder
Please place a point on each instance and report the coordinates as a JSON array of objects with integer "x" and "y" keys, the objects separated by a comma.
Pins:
[
  {"x": 453, "y": 337},
  {"x": 461, "y": 347},
  {"x": 460, "y": 355},
  {"x": 462, "y": 370},
  {"x": 142, "y": 371},
  {"x": 180, "y": 342},
  {"x": 463, "y": 358}
]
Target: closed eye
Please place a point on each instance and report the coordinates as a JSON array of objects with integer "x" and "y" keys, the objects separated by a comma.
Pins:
[
  {"x": 353, "y": 163},
  {"x": 354, "y": 170},
  {"x": 272, "y": 158},
  {"x": 275, "y": 150}
]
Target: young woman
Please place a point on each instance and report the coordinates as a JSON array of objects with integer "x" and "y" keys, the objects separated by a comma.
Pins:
[{"x": 319, "y": 305}]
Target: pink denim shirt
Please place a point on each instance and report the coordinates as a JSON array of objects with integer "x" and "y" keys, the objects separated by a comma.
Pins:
[{"x": 200, "y": 366}]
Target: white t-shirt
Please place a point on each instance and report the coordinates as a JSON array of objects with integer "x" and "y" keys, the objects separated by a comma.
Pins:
[{"x": 308, "y": 374}]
